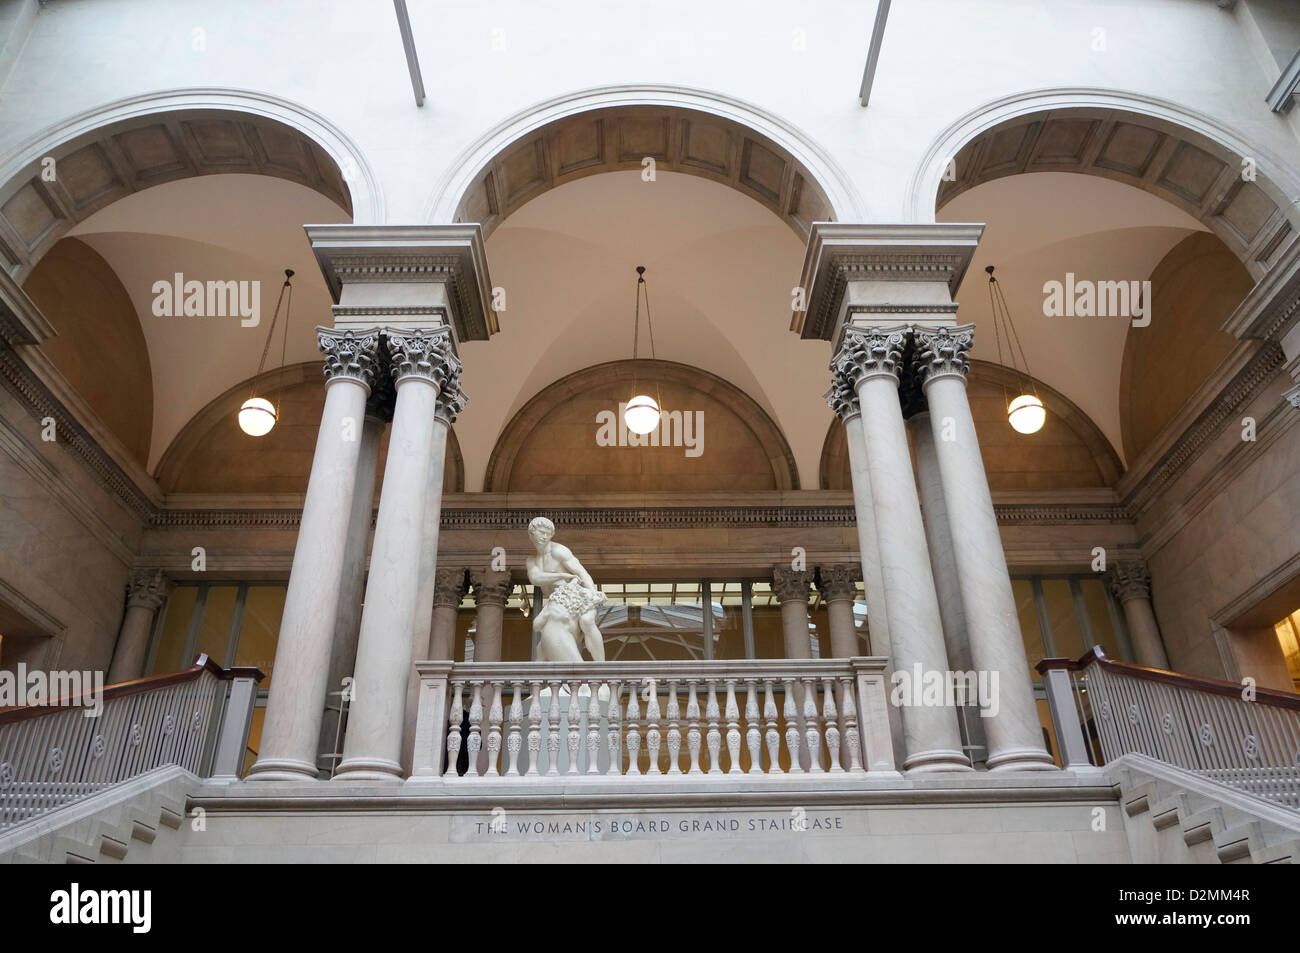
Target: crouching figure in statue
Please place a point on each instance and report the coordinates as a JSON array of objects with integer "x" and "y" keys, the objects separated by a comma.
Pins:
[{"x": 567, "y": 621}]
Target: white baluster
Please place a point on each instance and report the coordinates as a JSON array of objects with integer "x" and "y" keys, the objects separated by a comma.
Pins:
[
  {"x": 475, "y": 743},
  {"x": 831, "y": 717},
  {"x": 772, "y": 734},
  {"x": 733, "y": 729},
  {"x": 852, "y": 738},
  {"x": 593, "y": 729},
  {"x": 513, "y": 740},
  {"x": 652, "y": 737},
  {"x": 633, "y": 731},
  {"x": 573, "y": 730},
  {"x": 674, "y": 730},
  {"x": 553, "y": 731},
  {"x": 753, "y": 736},
  {"x": 715, "y": 735},
  {"x": 693, "y": 730},
  {"x": 494, "y": 731},
  {"x": 791, "y": 712},
  {"x": 615, "y": 739},
  {"x": 534, "y": 729},
  {"x": 455, "y": 714},
  {"x": 812, "y": 734}
]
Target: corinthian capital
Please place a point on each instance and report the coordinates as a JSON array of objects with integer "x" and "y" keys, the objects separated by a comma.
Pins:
[
  {"x": 838, "y": 582},
  {"x": 424, "y": 354},
  {"x": 1130, "y": 579},
  {"x": 790, "y": 585},
  {"x": 942, "y": 352},
  {"x": 492, "y": 587},
  {"x": 146, "y": 589},
  {"x": 448, "y": 587},
  {"x": 451, "y": 399},
  {"x": 843, "y": 395},
  {"x": 349, "y": 354},
  {"x": 872, "y": 352}
]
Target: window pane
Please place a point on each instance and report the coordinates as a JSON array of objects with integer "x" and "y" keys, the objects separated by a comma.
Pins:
[
  {"x": 176, "y": 623},
  {"x": 1066, "y": 637},
  {"x": 214, "y": 632},
  {"x": 1103, "y": 633},
  {"x": 1023, "y": 590},
  {"x": 260, "y": 629}
]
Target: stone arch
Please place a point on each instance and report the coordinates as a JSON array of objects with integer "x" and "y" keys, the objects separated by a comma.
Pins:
[
  {"x": 1189, "y": 160},
  {"x": 615, "y": 128},
  {"x": 211, "y": 454},
  {"x": 758, "y": 455},
  {"x": 1078, "y": 456},
  {"x": 107, "y": 153}
]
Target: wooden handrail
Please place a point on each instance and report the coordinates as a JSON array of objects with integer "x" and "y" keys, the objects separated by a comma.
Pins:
[
  {"x": 1215, "y": 686},
  {"x": 15, "y": 713}
]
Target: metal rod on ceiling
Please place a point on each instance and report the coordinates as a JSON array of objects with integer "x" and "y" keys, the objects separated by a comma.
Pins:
[
  {"x": 873, "y": 53},
  {"x": 408, "y": 44}
]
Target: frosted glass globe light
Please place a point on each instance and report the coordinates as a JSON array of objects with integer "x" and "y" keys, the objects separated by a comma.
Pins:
[
  {"x": 257, "y": 416},
  {"x": 641, "y": 414},
  {"x": 1026, "y": 414}
]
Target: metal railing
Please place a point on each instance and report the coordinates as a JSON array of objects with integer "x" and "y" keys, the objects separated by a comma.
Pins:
[
  {"x": 1246, "y": 738},
  {"x": 630, "y": 721},
  {"x": 58, "y": 753}
]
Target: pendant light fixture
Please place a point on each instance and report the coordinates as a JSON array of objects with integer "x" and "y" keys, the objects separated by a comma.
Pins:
[
  {"x": 258, "y": 415},
  {"x": 1025, "y": 412},
  {"x": 641, "y": 415}
]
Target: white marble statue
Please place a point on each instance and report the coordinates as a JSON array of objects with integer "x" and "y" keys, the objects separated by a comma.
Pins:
[{"x": 567, "y": 621}]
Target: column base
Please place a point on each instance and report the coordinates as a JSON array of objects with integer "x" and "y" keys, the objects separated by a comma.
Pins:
[
  {"x": 367, "y": 769},
  {"x": 934, "y": 761},
  {"x": 1022, "y": 759},
  {"x": 283, "y": 769}
]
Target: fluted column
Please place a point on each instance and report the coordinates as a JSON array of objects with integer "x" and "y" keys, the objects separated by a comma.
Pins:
[
  {"x": 1130, "y": 583},
  {"x": 146, "y": 590},
  {"x": 448, "y": 590},
  {"x": 843, "y": 399},
  {"x": 426, "y": 374},
  {"x": 343, "y": 653},
  {"x": 839, "y": 584},
  {"x": 1014, "y": 734},
  {"x": 790, "y": 587},
  {"x": 291, "y": 730},
  {"x": 871, "y": 356},
  {"x": 491, "y": 590}
]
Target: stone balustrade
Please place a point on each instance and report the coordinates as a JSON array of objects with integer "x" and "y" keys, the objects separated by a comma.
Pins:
[{"x": 539, "y": 721}]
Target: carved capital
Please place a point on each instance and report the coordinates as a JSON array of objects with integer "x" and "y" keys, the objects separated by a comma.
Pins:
[
  {"x": 349, "y": 354},
  {"x": 383, "y": 398},
  {"x": 492, "y": 587},
  {"x": 448, "y": 587},
  {"x": 842, "y": 396},
  {"x": 147, "y": 589},
  {"x": 790, "y": 585},
  {"x": 871, "y": 352},
  {"x": 838, "y": 582},
  {"x": 942, "y": 352},
  {"x": 1130, "y": 579},
  {"x": 911, "y": 392},
  {"x": 426, "y": 354},
  {"x": 451, "y": 399},
  {"x": 1293, "y": 396}
]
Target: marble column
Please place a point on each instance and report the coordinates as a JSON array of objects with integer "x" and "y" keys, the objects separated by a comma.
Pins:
[
  {"x": 1015, "y": 737},
  {"x": 843, "y": 399},
  {"x": 491, "y": 590},
  {"x": 294, "y": 709},
  {"x": 343, "y": 651},
  {"x": 146, "y": 590},
  {"x": 1130, "y": 583},
  {"x": 790, "y": 586},
  {"x": 448, "y": 590},
  {"x": 426, "y": 375},
  {"x": 839, "y": 586},
  {"x": 871, "y": 357}
]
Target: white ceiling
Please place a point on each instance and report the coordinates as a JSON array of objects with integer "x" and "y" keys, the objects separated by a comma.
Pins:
[{"x": 720, "y": 272}]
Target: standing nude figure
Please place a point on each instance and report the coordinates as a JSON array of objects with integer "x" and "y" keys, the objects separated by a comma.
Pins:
[{"x": 567, "y": 621}]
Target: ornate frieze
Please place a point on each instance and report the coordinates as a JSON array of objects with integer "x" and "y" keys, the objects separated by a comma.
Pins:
[
  {"x": 147, "y": 589},
  {"x": 1130, "y": 579},
  {"x": 448, "y": 587},
  {"x": 942, "y": 352},
  {"x": 838, "y": 583},
  {"x": 790, "y": 585},
  {"x": 349, "y": 354}
]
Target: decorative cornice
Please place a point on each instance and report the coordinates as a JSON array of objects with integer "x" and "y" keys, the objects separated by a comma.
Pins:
[
  {"x": 21, "y": 321},
  {"x": 350, "y": 354},
  {"x": 838, "y": 582},
  {"x": 1129, "y": 579},
  {"x": 942, "y": 352},
  {"x": 791, "y": 585},
  {"x": 147, "y": 589}
]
